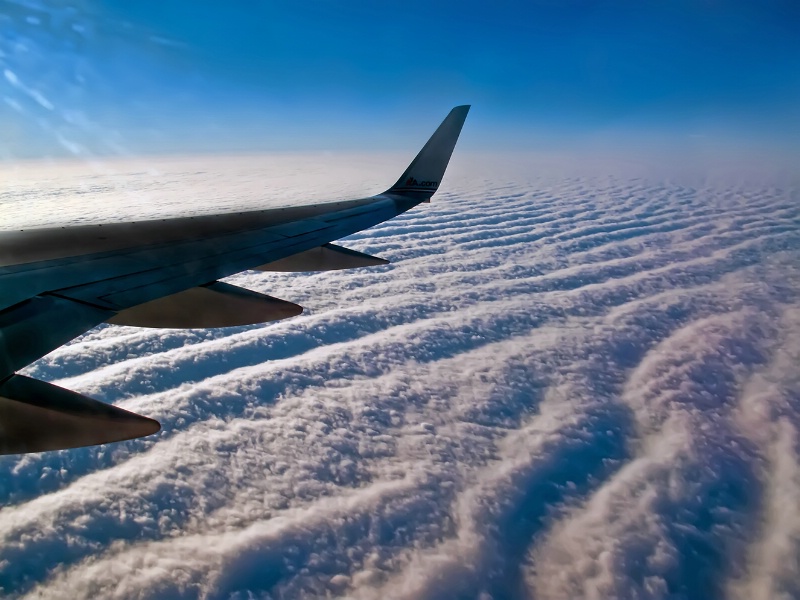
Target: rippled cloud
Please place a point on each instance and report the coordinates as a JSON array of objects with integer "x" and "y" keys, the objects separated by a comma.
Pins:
[{"x": 564, "y": 385}]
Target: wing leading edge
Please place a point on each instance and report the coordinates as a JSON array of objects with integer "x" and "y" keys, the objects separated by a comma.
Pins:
[{"x": 56, "y": 284}]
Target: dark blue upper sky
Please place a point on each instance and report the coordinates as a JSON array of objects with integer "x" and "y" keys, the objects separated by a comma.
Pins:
[{"x": 170, "y": 75}]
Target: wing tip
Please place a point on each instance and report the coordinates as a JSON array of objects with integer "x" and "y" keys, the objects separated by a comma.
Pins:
[{"x": 422, "y": 177}]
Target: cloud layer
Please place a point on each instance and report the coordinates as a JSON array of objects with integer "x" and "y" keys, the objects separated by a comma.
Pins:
[{"x": 565, "y": 385}]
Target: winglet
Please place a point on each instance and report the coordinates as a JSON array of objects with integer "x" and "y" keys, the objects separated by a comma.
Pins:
[{"x": 423, "y": 175}]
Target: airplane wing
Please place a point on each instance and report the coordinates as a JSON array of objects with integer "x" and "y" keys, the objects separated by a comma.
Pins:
[{"x": 58, "y": 283}]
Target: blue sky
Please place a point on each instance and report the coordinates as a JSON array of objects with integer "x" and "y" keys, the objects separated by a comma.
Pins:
[{"x": 172, "y": 76}]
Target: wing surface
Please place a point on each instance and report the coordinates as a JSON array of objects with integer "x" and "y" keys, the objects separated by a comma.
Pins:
[{"x": 58, "y": 283}]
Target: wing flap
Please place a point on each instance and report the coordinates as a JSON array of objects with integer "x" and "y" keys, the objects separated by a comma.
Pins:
[
  {"x": 328, "y": 257},
  {"x": 36, "y": 416},
  {"x": 214, "y": 305}
]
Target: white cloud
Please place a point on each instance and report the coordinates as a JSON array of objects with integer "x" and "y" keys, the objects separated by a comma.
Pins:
[{"x": 562, "y": 386}]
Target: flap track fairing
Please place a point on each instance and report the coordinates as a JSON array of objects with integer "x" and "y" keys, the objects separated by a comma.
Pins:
[
  {"x": 328, "y": 257},
  {"x": 214, "y": 305},
  {"x": 36, "y": 416}
]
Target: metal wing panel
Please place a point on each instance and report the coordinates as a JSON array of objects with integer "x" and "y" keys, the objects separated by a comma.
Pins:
[
  {"x": 40, "y": 260},
  {"x": 54, "y": 313},
  {"x": 37, "y": 245},
  {"x": 223, "y": 256}
]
